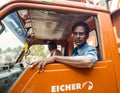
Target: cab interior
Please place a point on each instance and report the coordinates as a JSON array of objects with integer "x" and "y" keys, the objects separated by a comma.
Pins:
[{"x": 42, "y": 26}]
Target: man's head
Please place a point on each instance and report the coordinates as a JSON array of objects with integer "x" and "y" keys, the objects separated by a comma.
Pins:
[
  {"x": 80, "y": 32},
  {"x": 52, "y": 45}
]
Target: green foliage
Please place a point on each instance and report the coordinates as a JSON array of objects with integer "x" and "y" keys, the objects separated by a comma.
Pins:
[{"x": 39, "y": 50}]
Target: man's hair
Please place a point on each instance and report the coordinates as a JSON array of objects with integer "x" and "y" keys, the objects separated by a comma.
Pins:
[
  {"x": 81, "y": 24},
  {"x": 53, "y": 43}
]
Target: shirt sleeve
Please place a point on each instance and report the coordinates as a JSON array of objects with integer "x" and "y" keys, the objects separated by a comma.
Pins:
[{"x": 92, "y": 53}]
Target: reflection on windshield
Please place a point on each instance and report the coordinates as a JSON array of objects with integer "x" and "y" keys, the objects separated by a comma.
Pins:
[{"x": 11, "y": 44}]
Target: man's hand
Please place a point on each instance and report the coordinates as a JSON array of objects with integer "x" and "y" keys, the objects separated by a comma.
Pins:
[
  {"x": 43, "y": 63},
  {"x": 34, "y": 63}
]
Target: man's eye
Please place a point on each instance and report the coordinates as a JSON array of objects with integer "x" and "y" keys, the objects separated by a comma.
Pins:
[{"x": 80, "y": 33}]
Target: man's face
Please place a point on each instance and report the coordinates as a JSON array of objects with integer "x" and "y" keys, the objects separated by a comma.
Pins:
[
  {"x": 50, "y": 47},
  {"x": 80, "y": 36}
]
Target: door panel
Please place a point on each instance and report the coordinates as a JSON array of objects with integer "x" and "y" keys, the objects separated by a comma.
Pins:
[{"x": 59, "y": 78}]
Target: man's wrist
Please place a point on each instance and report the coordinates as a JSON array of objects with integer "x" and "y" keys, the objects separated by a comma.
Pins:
[{"x": 54, "y": 58}]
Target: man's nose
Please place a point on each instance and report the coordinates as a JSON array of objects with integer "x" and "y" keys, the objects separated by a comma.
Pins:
[{"x": 78, "y": 35}]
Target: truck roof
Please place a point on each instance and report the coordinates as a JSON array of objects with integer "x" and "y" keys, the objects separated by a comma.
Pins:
[
  {"x": 73, "y": 4},
  {"x": 11, "y": 5}
]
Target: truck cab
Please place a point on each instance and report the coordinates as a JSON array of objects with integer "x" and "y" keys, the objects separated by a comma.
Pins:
[{"x": 26, "y": 28}]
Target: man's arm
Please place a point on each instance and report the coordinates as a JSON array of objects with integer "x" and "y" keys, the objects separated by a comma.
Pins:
[{"x": 75, "y": 61}]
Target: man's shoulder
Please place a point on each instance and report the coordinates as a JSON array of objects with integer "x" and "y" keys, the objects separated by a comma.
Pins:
[{"x": 89, "y": 46}]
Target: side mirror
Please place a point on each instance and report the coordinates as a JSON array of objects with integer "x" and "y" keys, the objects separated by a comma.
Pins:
[{"x": 2, "y": 27}]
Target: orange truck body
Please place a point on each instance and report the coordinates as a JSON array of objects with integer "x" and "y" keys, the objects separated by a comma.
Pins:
[{"x": 104, "y": 77}]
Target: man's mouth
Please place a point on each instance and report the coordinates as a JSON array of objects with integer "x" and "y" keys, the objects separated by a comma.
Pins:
[{"x": 78, "y": 41}]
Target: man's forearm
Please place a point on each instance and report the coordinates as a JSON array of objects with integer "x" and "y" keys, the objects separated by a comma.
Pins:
[{"x": 76, "y": 61}]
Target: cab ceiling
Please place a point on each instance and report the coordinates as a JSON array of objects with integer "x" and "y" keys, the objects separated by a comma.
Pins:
[{"x": 51, "y": 25}]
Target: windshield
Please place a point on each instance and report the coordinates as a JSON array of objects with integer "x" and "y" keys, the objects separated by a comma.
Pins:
[
  {"x": 11, "y": 40},
  {"x": 37, "y": 52}
]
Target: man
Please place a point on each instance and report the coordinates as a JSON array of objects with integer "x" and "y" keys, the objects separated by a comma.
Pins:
[
  {"x": 52, "y": 46},
  {"x": 83, "y": 56}
]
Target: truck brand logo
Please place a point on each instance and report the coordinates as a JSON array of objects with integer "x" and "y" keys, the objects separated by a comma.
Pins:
[{"x": 74, "y": 86}]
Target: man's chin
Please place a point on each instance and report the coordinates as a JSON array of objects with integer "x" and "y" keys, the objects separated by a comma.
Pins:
[{"x": 80, "y": 44}]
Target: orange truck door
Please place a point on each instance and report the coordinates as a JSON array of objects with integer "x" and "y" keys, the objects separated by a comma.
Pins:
[{"x": 58, "y": 78}]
